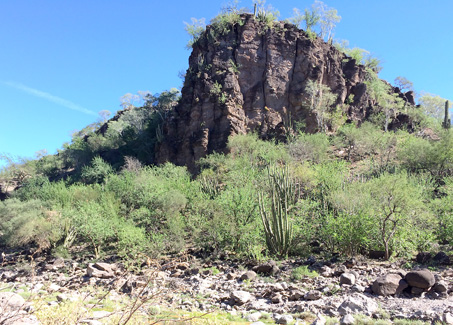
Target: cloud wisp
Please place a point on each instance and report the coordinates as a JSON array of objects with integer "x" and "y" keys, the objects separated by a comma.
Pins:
[{"x": 49, "y": 97}]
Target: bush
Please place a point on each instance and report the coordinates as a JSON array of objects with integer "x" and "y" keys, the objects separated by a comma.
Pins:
[
  {"x": 249, "y": 150},
  {"x": 97, "y": 172},
  {"x": 300, "y": 272},
  {"x": 28, "y": 223},
  {"x": 443, "y": 209},
  {"x": 310, "y": 147},
  {"x": 154, "y": 198}
]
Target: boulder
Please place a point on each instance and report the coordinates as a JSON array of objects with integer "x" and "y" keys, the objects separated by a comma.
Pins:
[
  {"x": 106, "y": 267},
  {"x": 447, "y": 318},
  {"x": 313, "y": 295},
  {"x": 100, "y": 270},
  {"x": 347, "y": 278},
  {"x": 240, "y": 297},
  {"x": 440, "y": 287},
  {"x": 423, "y": 257},
  {"x": 326, "y": 271},
  {"x": 249, "y": 275},
  {"x": 389, "y": 284},
  {"x": 347, "y": 320},
  {"x": 423, "y": 279},
  {"x": 358, "y": 303},
  {"x": 269, "y": 268},
  {"x": 277, "y": 298},
  {"x": 295, "y": 295},
  {"x": 442, "y": 258},
  {"x": 253, "y": 317},
  {"x": 284, "y": 319},
  {"x": 10, "y": 301}
]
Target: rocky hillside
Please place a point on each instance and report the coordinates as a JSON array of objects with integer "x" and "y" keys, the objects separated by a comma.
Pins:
[{"x": 252, "y": 78}]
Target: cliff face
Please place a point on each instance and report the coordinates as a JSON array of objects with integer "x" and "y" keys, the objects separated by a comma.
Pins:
[{"x": 253, "y": 79}]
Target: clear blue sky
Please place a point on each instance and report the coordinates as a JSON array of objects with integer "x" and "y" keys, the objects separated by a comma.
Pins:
[{"x": 61, "y": 62}]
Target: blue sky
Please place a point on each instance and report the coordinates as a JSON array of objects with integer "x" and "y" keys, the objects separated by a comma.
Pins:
[{"x": 61, "y": 62}]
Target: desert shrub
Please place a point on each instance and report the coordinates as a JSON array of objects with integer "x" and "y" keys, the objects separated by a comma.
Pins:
[
  {"x": 77, "y": 153},
  {"x": 195, "y": 29},
  {"x": 306, "y": 224},
  {"x": 330, "y": 176},
  {"x": 97, "y": 171},
  {"x": 33, "y": 188},
  {"x": 28, "y": 223},
  {"x": 224, "y": 22},
  {"x": 154, "y": 199},
  {"x": 240, "y": 208},
  {"x": 311, "y": 147},
  {"x": 422, "y": 155},
  {"x": 442, "y": 208},
  {"x": 49, "y": 166},
  {"x": 300, "y": 272},
  {"x": 132, "y": 241},
  {"x": 257, "y": 153},
  {"x": 228, "y": 222},
  {"x": 95, "y": 224},
  {"x": 395, "y": 204},
  {"x": 132, "y": 164},
  {"x": 350, "y": 227}
]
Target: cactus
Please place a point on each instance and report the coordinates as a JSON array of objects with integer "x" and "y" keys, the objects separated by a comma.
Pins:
[
  {"x": 447, "y": 122},
  {"x": 277, "y": 225}
]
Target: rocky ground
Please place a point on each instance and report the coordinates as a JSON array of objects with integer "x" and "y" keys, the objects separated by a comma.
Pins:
[{"x": 54, "y": 290}]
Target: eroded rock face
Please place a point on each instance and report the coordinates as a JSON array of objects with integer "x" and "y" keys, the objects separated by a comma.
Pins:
[{"x": 253, "y": 79}]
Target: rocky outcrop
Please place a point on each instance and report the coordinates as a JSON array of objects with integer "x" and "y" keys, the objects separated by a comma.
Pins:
[{"x": 253, "y": 79}]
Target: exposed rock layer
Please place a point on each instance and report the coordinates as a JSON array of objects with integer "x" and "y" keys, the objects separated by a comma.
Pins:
[{"x": 253, "y": 79}]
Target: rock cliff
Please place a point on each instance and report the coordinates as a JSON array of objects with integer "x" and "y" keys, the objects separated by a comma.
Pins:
[{"x": 252, "y": 78}]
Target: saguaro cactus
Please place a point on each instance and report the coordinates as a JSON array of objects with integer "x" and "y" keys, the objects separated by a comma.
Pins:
[
  {"x": 277, "y": 224},
  {"x": 447, "y": 121}
]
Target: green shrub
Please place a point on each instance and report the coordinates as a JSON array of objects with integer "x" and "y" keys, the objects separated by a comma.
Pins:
[
  {"x": 28, "y": 223},
  {"x": 442, "y": 207},
  {"x": 95, "y": 223},
  {"x": 311, "y": 147},
  {"x": 248, "y": 149},
  {"x": 224, "y": 22},
  {"x": 195, "y": 29},
  {"x": 301, "y": 272},
  {"x": 97, "y": 172},
  {"x": 154, "y": 198}
]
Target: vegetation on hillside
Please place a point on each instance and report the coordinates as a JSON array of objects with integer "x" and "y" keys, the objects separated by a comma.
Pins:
[{"x": 360, "y": 189}]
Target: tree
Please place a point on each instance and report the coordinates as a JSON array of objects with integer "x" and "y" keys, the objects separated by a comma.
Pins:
[
  {"x": 321, "y": 99},
  {"x": 311, "y": 18},
  {"x": 104, "y": 116},
  {"x": 403, "y": 84},
  {"x": 195, "y": 29},
  {"x": 389, "y": 102},
  {"x": 395, "y": 202},
  {"x": 129, "y": 100},
  {"x": 433, "y": 105},
  {"x": 328, "y": 17},
  {"x": 298, "y": 17}
]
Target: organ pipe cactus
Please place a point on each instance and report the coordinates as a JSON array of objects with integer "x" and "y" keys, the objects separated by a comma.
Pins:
[
  {"x": 447, "y": 121},
  {"x": 277, "y": 224}
]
